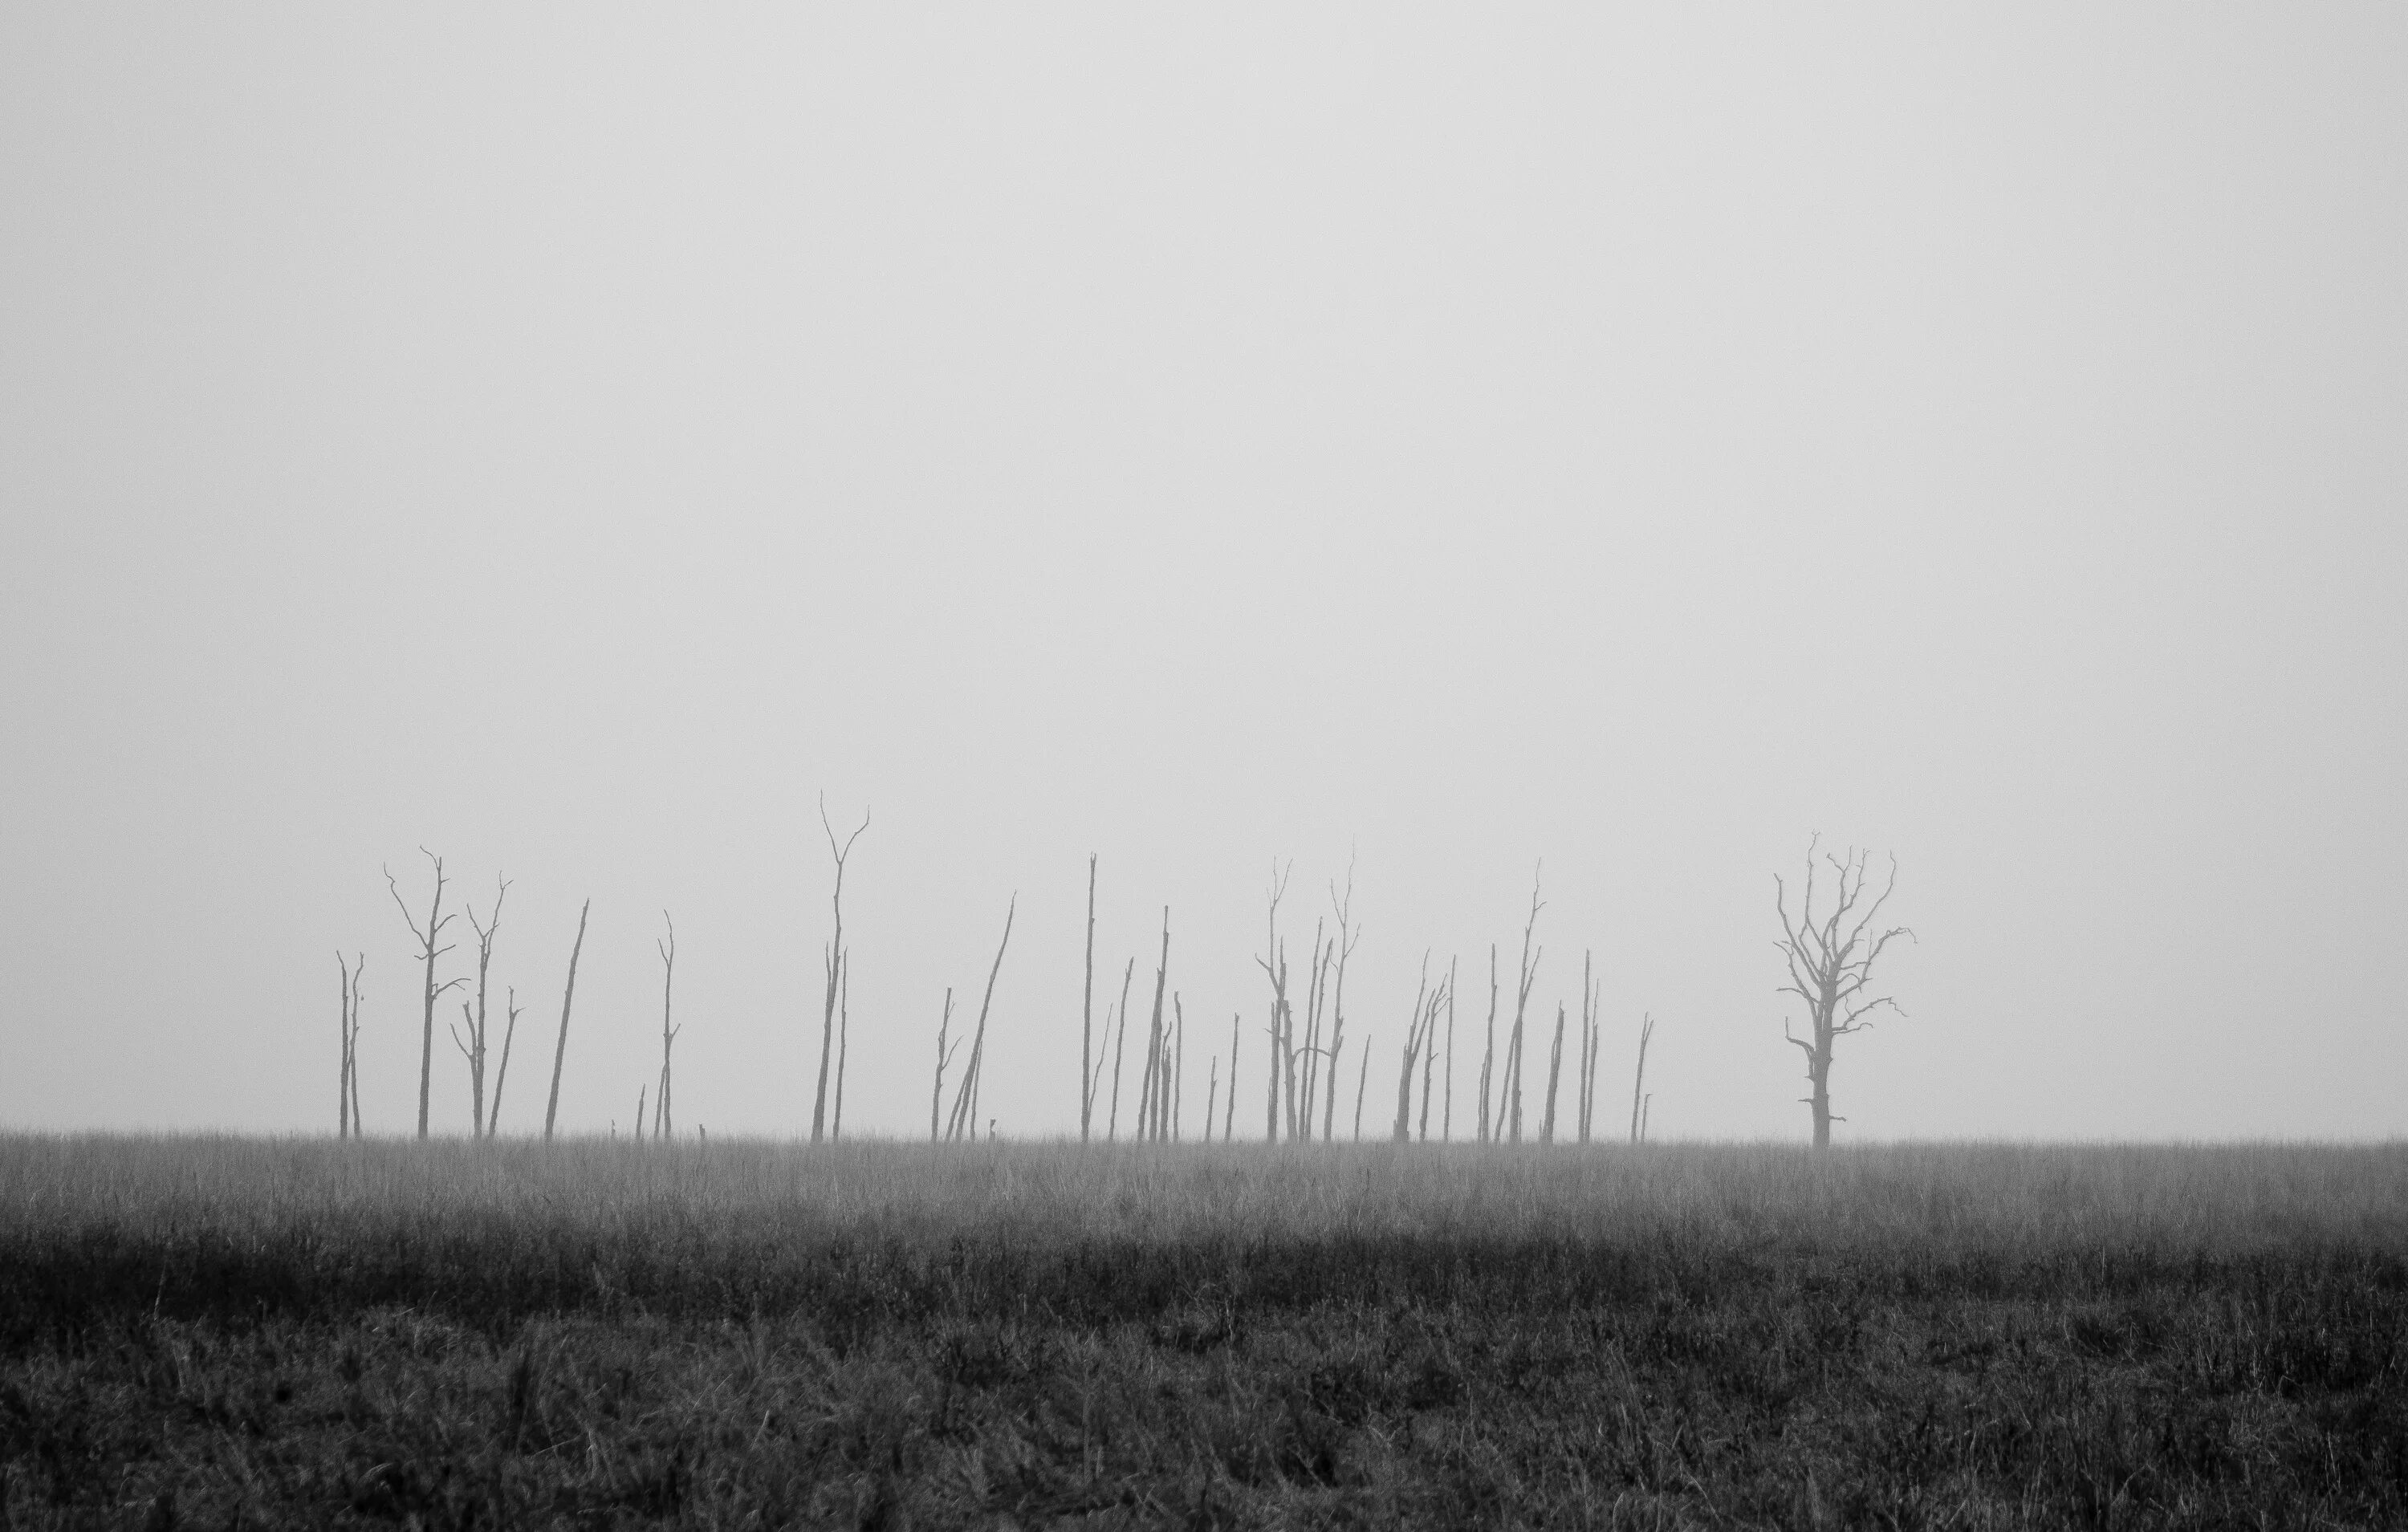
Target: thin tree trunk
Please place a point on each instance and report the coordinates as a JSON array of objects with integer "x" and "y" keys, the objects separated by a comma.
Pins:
[
  {"x": 1088, "y": 1016},
  {"x": 1179, "y": 1066},
  {"x": 502, "y": 1069},
  {"x": 1521, "y": 1004},
  {"x": 343, "y": 1059},
  {"x": 560, "y": 1049},
  {"x": 936, "y": 1096},
  {"x": 351, "y": 1046},
  {"x": 1555, "y": 1078},
  {"x": 639, "y": 1114},
  {"x": 1347, "y": 936},
  {"x": 967, "y": 1100},
  {"x": 1120, "y": 1041},
  {"x": 1362, "y": 1076},
  {"x": 834, "y": 957},
  {"x": 1229, "y": 1117},
  {"x": 663, "y": 1124},
  {"x": 1446, "y": 1119},
  {"x": 843, "y": 1037},
  {"x": 1211, "y": 1099},
  {"x": 1638, "y": 1080},
  {"x": 436, "y": 921},
  {"x": 1401, "y": 1131},
  {"x": 1488, "y": 1054}
]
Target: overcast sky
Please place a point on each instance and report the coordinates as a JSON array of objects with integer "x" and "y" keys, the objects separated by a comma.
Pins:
[{"x": 1441, "y": 439}]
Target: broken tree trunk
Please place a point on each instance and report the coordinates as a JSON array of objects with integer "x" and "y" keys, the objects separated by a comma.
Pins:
[{"x": 560, "y": 1049}]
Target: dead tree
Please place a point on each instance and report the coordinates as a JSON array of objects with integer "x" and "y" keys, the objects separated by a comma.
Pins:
[
  {"x": 835, "y": 960},
  {"x": 1087, "y": 1016},
  {"x": 436, "y": 922},
  {"x": 843, "y": 1037},
  {"x": 1274, "y": 965},
  {"x": 1178, "y": 1065},
  {"x": 1555, "y": 1078},
  {"x": 1446, "y": 1119},
  {"x": 639, "y": 1129},
  {"x": 1362, "y": 1076},
  {"x": 1211, "y": 1097},
  {"x": 1416, "y": 1038},
  {"x": 1347, "y": 934},
  {"x": 664, "y": 1121},
  {"x": 560, "y": 1049},
  {"x": 502, "y": 1066},
  {"x": 1639, "y": 1081},
  {"x": 472, "y": 1046},
  {"x": 1120, "y": 1042},
  {"x": 1229, "y": 1115},
  {"x": 1521, "y": 1006},
  {"x": 1152, "y": 1114},
  {"x": 1488, "y": 1053},
  {"x": 944, "y": 1057},
  {"x": 1588, "y": 1047},
  {"x": 347, "y": 1087},
  {"x": 1316, "y": 990},
  {"x": 965, "y": 1094},
  {"x": 1831, "y": 959}
]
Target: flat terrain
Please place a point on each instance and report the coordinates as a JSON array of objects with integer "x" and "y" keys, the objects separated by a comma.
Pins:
[{"x": 213, "y": 1332}]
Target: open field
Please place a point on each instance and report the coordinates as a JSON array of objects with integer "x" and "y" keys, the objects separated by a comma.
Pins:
[{"x": 298, "y": 1333}]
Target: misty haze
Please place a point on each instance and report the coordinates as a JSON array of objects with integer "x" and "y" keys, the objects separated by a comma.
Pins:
[{"x": 1298, "y": 765}]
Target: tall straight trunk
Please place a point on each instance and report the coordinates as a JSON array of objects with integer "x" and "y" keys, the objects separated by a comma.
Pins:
[
  {"x": 965, "y": 1102},
  {"x": 1310, "y": 1065},
  {"x": 1278, "y": 1042},
  {"x": 1488, "y": 1054},
  {"x": 1446, "y": 1120},
  {"x": 473, "y": 1046},
  {"x": 1153, "y": 1112},
  {"x": 1179, "y": 1066},
  {"x": 1087, "y": 1016},
  {"x": 1638, "y": 1080},
  {"x": 639, "y": 1114},
  {"x": 1211, "y": 1099},
  {"x": 343, "y": 1060},
  {"x": 664, "y": 1122},
  {"x": 1429, "y": 1059},
  {"x": 1362, "y": 1076},
  {"x": 351, "y": 1045},
  {"x": 843, "y": 1037},
  {"x": 1401, "y": 1131},
  {"x": 1555, "y": 1078},
  {"x": 1120, "y": 1041},
  {"x": 1229, "y": 1117},
  {"x": 560, "y": 1049},
  {"x": 502, "y": 1068}
]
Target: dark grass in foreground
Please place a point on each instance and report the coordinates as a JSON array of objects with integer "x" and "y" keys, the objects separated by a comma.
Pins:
[{"x": 195, "y": 1332}]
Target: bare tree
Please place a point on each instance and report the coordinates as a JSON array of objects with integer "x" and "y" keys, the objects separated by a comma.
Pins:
[
  {"x": 1178, "y": 1065},
  {"x": 1639, "y": 1081},
  {"x": 1488, "y": 1053},
  {"x": 1120, "y": 1041},
  {"x": 1347, "y": 934},
  {"x": 1274, "y": 965},
  {"x": 1417, "y": 1040},
  {"x": 472, "y": 1046},
  {"x": 1362, "y": 1076},
  {"x": 1446, "y": 1120},
  {"x": 346, "y": 1088},
  {"x": 502, "y": 1066},
  {"x": 637, "y": 1130},
  {"x": 436, "y": 922},
  {"x": 843, "y": 1037},
  {"x": 1152, "y": 1114},
  {"x": 965, "y": 1094},
  {"x": 1831, "y": 960},
  {"x": 944, "y": 1057},
  {"x": 1521, "y": 1004},
  {"x": 560, "y": 1049},
  {"x": 1555, "y": 1077},
  {"x": 834, "y": 961},
  {"x": 1229, "y": 1115},
  {"x": 664, "y": 1119},
  {"x": 1211, "y": 1097},
  {"x": 1589, "y": 1039},
  {"x": 1087, "y": 1016}
]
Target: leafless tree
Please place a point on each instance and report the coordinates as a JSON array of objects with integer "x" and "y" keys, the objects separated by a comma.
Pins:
[
  {"x": 1211, "y": 1097},
  {"x": 1521, "y": 1006},
  {"x": 1831, "y": 959},
  {"x": 1087, "y": 1016},
  {"x": 560, "y": 1049},
  {"x": 1229, "y": 1113},
  {"x": 1154, "y": 1113},
  {"x": 1446, "y": 1120},
  {"x": 1120, "y": 1042},
  {"x": 1555, "y": 1077},
  {"x": 1362, "y": 1076},
  {"x": 1274, "y": 965},
  {"x": 1639, "y": 1081},
  {"x": 637, "y": 1131},
  {"x": 965, "y": 1094},
  {"x": 1347, "y": 934},
  {"x": 502, "y": 1066},
  {"x": 347, "y": 1089},
  {"x": 663, "y": 1119},
  {"x": 1589, "y": 1039},
  {"x": 1178, "y": 1065},
  {"x": 1417, "y": 1040},
  {"x": 843, "y": 1037},
  {"x": 1488, "y": 1054},
  {"x": 436, "y": 922},
  {"x": 834, "y": 963},
  {"x": 944, "y": 1057},
  {"x": 472, "y": 1046}
]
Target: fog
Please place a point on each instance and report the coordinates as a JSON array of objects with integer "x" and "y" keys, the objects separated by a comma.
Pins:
[{"x": 1459, "y": 444}]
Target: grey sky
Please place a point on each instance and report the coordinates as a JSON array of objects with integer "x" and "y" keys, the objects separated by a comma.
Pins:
[{"x": 1634, "y": 437}]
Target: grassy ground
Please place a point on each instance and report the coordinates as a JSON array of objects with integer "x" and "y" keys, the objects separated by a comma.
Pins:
[{"x": 215, "y": 1332}]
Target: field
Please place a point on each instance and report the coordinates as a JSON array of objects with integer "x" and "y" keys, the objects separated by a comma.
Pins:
[{"x": 219, "y": 1332}]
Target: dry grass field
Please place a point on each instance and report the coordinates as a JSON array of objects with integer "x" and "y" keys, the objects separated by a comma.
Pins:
[{"x": 218, "y": 1332}]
